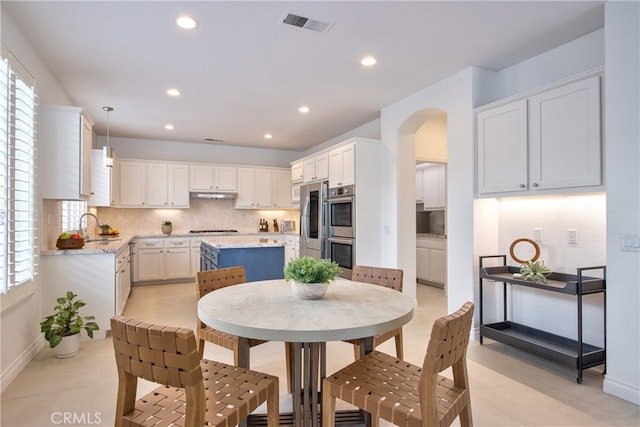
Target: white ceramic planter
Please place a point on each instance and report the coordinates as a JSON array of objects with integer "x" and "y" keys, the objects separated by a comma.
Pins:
[
  {"x": 68, "y": 347},
  {"x": 308, "y": 290},
  {"x": 166, "y": 229}
]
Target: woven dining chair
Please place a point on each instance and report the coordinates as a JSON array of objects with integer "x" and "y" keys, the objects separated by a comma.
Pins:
[
  {"x": 387, "y": 277},
  {"x": 406, "y": 394},
  {"x": 193, "y": 391},
  {"x": 209, "y": 281}
]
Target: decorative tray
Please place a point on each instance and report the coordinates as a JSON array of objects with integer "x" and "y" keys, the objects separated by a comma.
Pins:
[{"x": 109, "y": 234}]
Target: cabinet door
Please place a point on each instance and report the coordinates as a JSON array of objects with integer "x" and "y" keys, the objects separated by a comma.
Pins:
[
  {"x": 437, "y": 266},
  {"x": 201, "y": 177},
  {"x": 133, "y": 177},
  {"x": 297, "y": 172},
  {"x": 246, "y": 188},
  {"x": 85, "y": 155},
  {"x": 262, "y": 194},
  {"x": 225, "y": 178},
  {"x": 433, "y": 186},
  {"x": 100, "y": 181},
  {"x": 157, "y": 185},
  {"x": 150, "y": 264},
  {"x": 115, "y": 184},
  {"x": 177, "y": 263},
  {"x": 281, "y": 189},
  {"x": 565, "y": 136},
  {"x": 502, "y": 149},
  {"x": 195, "y": 262},
  {"x": 321, "y": 167},
  {"x": 418, "y": 184},
  {"x": 309, "y": 170},
  {"x": 342, "y": 166},
  {"x": 178, "y": 180},
  {"x": 422, "y": 263}
]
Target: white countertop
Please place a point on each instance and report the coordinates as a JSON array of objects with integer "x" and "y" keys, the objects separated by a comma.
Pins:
[
  {"x": 228, "y": 242},
  {"x": 267, "y": 310}
]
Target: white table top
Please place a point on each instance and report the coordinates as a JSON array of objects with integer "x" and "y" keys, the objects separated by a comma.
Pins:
[{"x": 266, "y": 310}]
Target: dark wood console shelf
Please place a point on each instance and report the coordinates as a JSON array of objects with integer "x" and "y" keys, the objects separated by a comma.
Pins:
[{"x": 565, "y": 351}]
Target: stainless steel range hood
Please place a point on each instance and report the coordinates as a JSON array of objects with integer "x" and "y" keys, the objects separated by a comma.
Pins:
[{"x": 213, "y": 195}]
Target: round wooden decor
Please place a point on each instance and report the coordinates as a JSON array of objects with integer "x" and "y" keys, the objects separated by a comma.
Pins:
[{"x": 523, "y": 239}]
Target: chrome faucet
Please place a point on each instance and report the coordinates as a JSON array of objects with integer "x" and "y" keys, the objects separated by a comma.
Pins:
[{"x": 80, "y": 225}]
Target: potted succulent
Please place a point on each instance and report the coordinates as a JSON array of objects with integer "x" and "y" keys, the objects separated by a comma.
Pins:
[
  {"x": 310, "y": 277},
  {"x": 62, "y": 329},
  {"x": 534, "y": 271},
  {"x": 166, "y": 227}
]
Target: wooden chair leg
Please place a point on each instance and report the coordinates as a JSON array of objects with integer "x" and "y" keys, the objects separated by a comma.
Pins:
[
  {"x": 399, "y": 347},
  {"x": 236, "y": 358},
  {"x": 328, "y": 408},
  {"x": 273, "y": 406},
  {"x": 126, "y": 399},
  {"x": 356, "y": 351}
]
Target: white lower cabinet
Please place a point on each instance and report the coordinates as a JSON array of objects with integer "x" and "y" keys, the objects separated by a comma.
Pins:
[
  {"x": 195, "y": 255},
  {"x": 291, "y": 248},
  {"x": 123, "y": 279},
  {"x": 160, "y": 259},
  {"x": 431, "y": 259}
]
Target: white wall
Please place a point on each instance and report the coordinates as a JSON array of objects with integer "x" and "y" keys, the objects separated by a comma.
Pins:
[
  {"x": 431, "y": 138},
  {"x": 622, "y": 136}
]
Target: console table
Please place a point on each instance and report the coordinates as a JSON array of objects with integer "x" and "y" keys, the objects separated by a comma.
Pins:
[{"x": 573, "y": 353}]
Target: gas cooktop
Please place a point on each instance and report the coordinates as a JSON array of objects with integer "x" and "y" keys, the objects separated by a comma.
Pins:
[{"x": 213, "y": 231}]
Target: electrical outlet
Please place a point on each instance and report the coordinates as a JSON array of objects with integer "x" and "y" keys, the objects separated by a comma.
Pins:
[
  {"x": 537, "y": 234},
  {"x": 572, "y": 236}
]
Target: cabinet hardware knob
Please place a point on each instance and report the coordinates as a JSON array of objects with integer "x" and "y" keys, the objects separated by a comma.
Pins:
[
  {"x": 535, "y": 184},
  {"x": 522, "y": 185}
]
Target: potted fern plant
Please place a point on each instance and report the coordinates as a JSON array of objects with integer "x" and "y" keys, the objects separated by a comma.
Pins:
[
  {"x": 62, "y": 329},
  {"x": 310, "y": 277}
]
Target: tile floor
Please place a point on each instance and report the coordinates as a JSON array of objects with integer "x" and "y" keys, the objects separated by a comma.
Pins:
[{"x": 508, "y": 387}]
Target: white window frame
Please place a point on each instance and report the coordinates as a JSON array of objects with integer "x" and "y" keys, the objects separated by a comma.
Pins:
[
  {"x": 72, "y": 210},
  {"x": 18, "y": 211}
]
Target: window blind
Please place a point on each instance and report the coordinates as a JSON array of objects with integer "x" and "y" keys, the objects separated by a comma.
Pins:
[
  {"x": 17, "y": 174},
  {"x": 72, "y": 210}
]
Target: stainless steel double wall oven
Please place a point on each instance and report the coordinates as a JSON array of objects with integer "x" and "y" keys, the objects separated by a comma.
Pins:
[{"x": 341, "y": 207}]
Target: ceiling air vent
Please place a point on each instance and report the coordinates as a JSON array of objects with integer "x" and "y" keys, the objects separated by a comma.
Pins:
[{"x": 306, "y": 23}]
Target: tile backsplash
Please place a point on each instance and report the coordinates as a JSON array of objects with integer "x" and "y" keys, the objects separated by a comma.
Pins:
[{"x": 203, "y": 214}]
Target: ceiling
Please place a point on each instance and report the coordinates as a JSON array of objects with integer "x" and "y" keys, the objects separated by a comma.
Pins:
[{"x": 243, "y": 73}]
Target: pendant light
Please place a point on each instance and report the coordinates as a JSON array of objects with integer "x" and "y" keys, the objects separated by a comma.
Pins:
[{"x": 107, "y": 151}]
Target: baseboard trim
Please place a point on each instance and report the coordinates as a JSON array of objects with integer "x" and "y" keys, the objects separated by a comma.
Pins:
[
  {"x": 20, "y": 363},
  {"x": 621, "y": 389}
]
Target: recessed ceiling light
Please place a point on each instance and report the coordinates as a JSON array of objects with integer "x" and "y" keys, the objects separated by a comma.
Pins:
[
  {"x": 186, "y": 22},
  {"x": 303, "y": 109},
  {"x": 173, "y": 92},
  {"x": 268, "y": 136},
  {"x": 169, "y": 127},
  {"x": 368, "y": 61}
]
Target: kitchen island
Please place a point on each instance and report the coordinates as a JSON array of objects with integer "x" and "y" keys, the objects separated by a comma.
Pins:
[{"x": 262, "y": 258}]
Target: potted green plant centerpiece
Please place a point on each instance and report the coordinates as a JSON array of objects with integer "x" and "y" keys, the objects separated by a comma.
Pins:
[
  {"x": 310, "y": 277},
  {"x": 535, "y": 271},
  {"x": 166, "y": 227},
  {"x": 62, "y": 329}
]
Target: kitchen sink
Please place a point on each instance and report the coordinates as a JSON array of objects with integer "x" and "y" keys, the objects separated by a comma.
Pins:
[{"x": 106, "y": 241}]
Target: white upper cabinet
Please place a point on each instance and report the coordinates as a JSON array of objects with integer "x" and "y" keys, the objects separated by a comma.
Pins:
[
  {"x": 133, "y": 183},
  {"x": 178, "y": 185},
  {"x": 342, "y": 166},
  {"x": 548, "y": 143},
  {"x": 263, "y": 188},
  {"x": 64, "y": 150},
  {"x": 100, "y": 181},
  {"x": 434, "y": 186},
  {"x": 297, "y": 172},
  {"x": 565, "y": 149},
  {"x": 502, "y": 148},
  {"x": 213, "y": 177},
  {"x": 316, "y": 168},
  {"x": 153, "y": 184}
]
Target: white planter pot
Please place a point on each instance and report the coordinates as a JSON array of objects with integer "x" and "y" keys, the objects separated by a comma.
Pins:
[
  {"x": 68, "y": 347},
  {"x": 166, "y": 229},
  {"x": 308, "y": 290}
]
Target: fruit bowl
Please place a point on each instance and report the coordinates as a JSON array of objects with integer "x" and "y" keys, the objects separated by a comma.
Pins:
[{"x": 69, "y": 243}]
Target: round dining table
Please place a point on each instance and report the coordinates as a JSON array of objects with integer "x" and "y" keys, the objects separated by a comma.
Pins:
[{"x": 267, "y": 310}]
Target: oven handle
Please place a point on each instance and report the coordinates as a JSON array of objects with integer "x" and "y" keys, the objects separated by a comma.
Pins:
[
  {"x": 341, "y": 199},
  {"x": 341, "y": 240}
]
